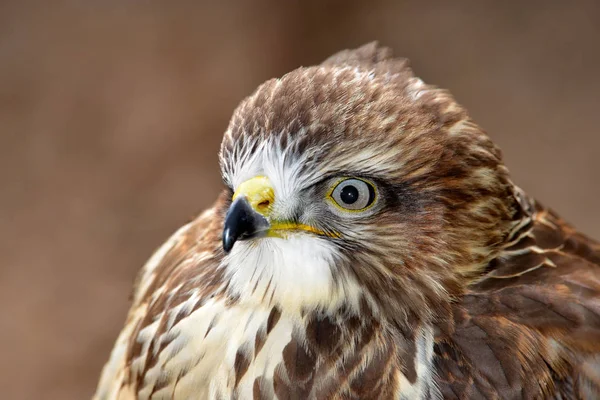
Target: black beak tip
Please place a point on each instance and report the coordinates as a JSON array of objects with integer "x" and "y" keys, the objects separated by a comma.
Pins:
[
  {"x": 241, "y": 222},
  {"x": 228, "y": 240}
]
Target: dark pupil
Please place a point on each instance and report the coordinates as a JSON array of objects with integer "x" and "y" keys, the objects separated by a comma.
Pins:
[{"x": 349, "y": 194}]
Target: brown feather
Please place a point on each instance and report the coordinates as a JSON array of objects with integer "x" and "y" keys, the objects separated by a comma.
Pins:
[{"x": 529, "y": 327}]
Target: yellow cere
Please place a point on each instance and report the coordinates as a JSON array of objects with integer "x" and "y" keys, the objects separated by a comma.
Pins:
[{"x": 259, "y": 193}]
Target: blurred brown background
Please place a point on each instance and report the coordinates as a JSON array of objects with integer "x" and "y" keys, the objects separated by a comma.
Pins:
[{"x": 111, "y": 114}]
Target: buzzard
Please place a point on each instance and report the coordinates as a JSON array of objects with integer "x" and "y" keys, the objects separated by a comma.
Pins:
[{"x": 369, "y": 244}]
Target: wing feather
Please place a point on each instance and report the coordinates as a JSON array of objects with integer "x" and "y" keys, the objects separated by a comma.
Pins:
[{"x": 529, "y": 328}]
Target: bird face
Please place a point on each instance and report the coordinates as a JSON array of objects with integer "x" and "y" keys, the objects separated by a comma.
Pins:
[
  {"x": 320, "y": 210},
  {"x": 287, "y": 226},
  {"x": 352, "y": 186}
]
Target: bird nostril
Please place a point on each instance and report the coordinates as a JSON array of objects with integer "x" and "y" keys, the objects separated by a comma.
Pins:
[{"x": 264, "y": 204}]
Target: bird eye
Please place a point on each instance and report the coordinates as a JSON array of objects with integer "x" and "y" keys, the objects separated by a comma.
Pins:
[{"x": 353, "y": 194}]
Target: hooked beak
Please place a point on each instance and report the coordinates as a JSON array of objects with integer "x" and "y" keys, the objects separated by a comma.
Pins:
[{"x": 247, "y": 216}]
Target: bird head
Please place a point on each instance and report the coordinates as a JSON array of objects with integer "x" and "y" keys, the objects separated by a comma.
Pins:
[{"x": 354, "y": 184}]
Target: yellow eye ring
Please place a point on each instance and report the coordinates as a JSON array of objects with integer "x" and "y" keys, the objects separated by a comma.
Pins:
[{"x": 353, "y": 194}]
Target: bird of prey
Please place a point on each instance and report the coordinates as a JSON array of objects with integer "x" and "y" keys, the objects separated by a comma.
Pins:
[{"x": 369, "y": 243}]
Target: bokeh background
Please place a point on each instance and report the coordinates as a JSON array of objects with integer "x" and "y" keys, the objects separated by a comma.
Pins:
[{"x": 111, "y": 114}]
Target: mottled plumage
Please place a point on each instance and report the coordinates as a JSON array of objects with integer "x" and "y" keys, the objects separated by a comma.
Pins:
[{"x": 449, "y": 283}]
